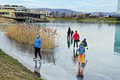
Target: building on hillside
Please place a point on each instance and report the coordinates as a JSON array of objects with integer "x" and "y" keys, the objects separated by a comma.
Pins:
[
  {"x": 21, "y": 13},
  {"x": 7, "y": 12},
  {"x": 40, "y": 11}
]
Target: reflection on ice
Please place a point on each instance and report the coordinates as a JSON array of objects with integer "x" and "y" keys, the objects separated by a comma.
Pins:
[
  {"x": 102, "y": 64},
  {"x": 26, "y": 49},
  {"x": 38, "y": 65},
  {"x": 117, "y": 39}
]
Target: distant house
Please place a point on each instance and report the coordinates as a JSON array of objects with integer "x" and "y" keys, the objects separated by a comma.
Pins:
[
  {"x": 21, "y": 13},
  {"x": 7, "y": 12}
]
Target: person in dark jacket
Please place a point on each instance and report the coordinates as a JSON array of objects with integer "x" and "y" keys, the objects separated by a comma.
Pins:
[
  {"x": 72, "y": 33},
  {"x": 84, "y": 43},
  {"x": 76, "y": 38},
  {"x": 37, "y": 46},
  {"x": 68, "y": 33}
]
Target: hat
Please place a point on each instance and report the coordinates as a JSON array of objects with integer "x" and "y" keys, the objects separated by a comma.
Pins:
[{"x": 39, "y": 35}]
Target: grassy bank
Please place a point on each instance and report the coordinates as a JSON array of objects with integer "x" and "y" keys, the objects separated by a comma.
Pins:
[
  {"x": 103, "y": 20},
  {"x": 11, "y": 69},
  {"x": 94, "y": 20},
  {"x": 27, "y": 34}
]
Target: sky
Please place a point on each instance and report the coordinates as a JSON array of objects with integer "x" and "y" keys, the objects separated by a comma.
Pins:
[{"x": 77, "y": 5}]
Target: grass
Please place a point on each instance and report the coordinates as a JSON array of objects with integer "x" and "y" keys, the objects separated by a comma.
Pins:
[
  {"x": 11, "y": 69},
  {"x": 93, "y": 20},
  {"x": 27, "y": 34},
  {"x": 104, "y": 20}
]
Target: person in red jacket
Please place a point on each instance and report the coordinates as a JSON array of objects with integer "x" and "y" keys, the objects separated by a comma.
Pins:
[{"x": 76, "y": 38}]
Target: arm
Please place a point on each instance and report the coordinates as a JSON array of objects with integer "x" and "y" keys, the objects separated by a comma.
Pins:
[
  {"x": 78, "y": 36},
  {"x": 40, "y": 43},
  {"x": 34, "y": 43}
]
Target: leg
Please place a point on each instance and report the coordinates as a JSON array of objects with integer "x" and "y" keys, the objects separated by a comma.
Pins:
[
  {"x": 77, "y": 44},
  {"x": 35, "y": 52},
  {"x": 74, "y": 43},
  {"x": 39, "y": 52},
  {"x": 68, "y": 36}
]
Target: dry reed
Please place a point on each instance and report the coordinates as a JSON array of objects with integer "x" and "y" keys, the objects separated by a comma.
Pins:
[
  {"x": 3, "y": 20},
  {"x": 27, "y": 34}
]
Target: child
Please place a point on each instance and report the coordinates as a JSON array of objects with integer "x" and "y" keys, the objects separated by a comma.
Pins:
[{"x": 81, "y": 60}]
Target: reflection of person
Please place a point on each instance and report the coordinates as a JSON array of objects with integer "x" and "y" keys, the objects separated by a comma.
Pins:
[
  {"x": 37, "y": 46},
  {"x": 81, "y": 60},
  {"x": 68, "y": 43},
  {"x": 37, "y": 68},
  {"x": 78, "y": 76},
  {"x": 76, "y": 38}
]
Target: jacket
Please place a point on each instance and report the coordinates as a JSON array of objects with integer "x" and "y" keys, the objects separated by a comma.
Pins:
[
  {"x": 76, "y": 36},
  {"x": 38, "y": 43},
  {"x": 81, "y": 50}
]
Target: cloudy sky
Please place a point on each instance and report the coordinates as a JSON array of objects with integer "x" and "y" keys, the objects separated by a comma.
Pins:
[{"x": 77, "y": 5}]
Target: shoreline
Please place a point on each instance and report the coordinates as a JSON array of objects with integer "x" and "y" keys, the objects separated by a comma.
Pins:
[
  {"x": 89, "y": 20},
  {"x": 11, "y": 69}
]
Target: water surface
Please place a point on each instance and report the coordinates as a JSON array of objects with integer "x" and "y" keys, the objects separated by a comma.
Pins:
[{"x": 103, "y": 54}]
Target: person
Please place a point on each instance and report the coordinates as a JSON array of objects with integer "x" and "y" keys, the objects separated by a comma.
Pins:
[
  {"x": 84, "y": 43},
  {"x": 72, "y": 33},
  {"x": 37, "y": 46},
  {"x": 71, "y": 36},
  {"x": 68, "y": 33},
  {"x": 76, "y": 38},
  {"x": 81, "y": 60}
]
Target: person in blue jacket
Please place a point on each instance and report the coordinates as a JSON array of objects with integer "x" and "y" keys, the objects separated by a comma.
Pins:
[
  {"x": 81, "y": 60},
  {"x": 37, "y": 46}
]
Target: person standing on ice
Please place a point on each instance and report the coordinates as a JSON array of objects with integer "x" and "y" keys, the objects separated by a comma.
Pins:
[
  {"x": 76, "y": 38},
  {"x": 81, "y": 60},
  {"x": 37, "y": 47}
]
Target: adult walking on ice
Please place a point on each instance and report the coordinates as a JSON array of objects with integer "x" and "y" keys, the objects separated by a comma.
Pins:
[
  {"x": 76, "y": 38},
  {"x": 68, "y": 33},
  {"x": 84, "y": 43},
  {"x": 37, "y": 46}
]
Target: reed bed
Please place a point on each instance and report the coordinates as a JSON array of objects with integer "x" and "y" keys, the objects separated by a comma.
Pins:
[
  {"x": 27, "y": 34},
  {"x": 3, "y": 20}
]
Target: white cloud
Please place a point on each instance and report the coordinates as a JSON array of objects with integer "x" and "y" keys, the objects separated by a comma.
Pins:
[{"x": 79, "y": 5}]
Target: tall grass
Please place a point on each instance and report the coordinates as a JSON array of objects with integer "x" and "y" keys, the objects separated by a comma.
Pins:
[{"x": 27, "y": 34}]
